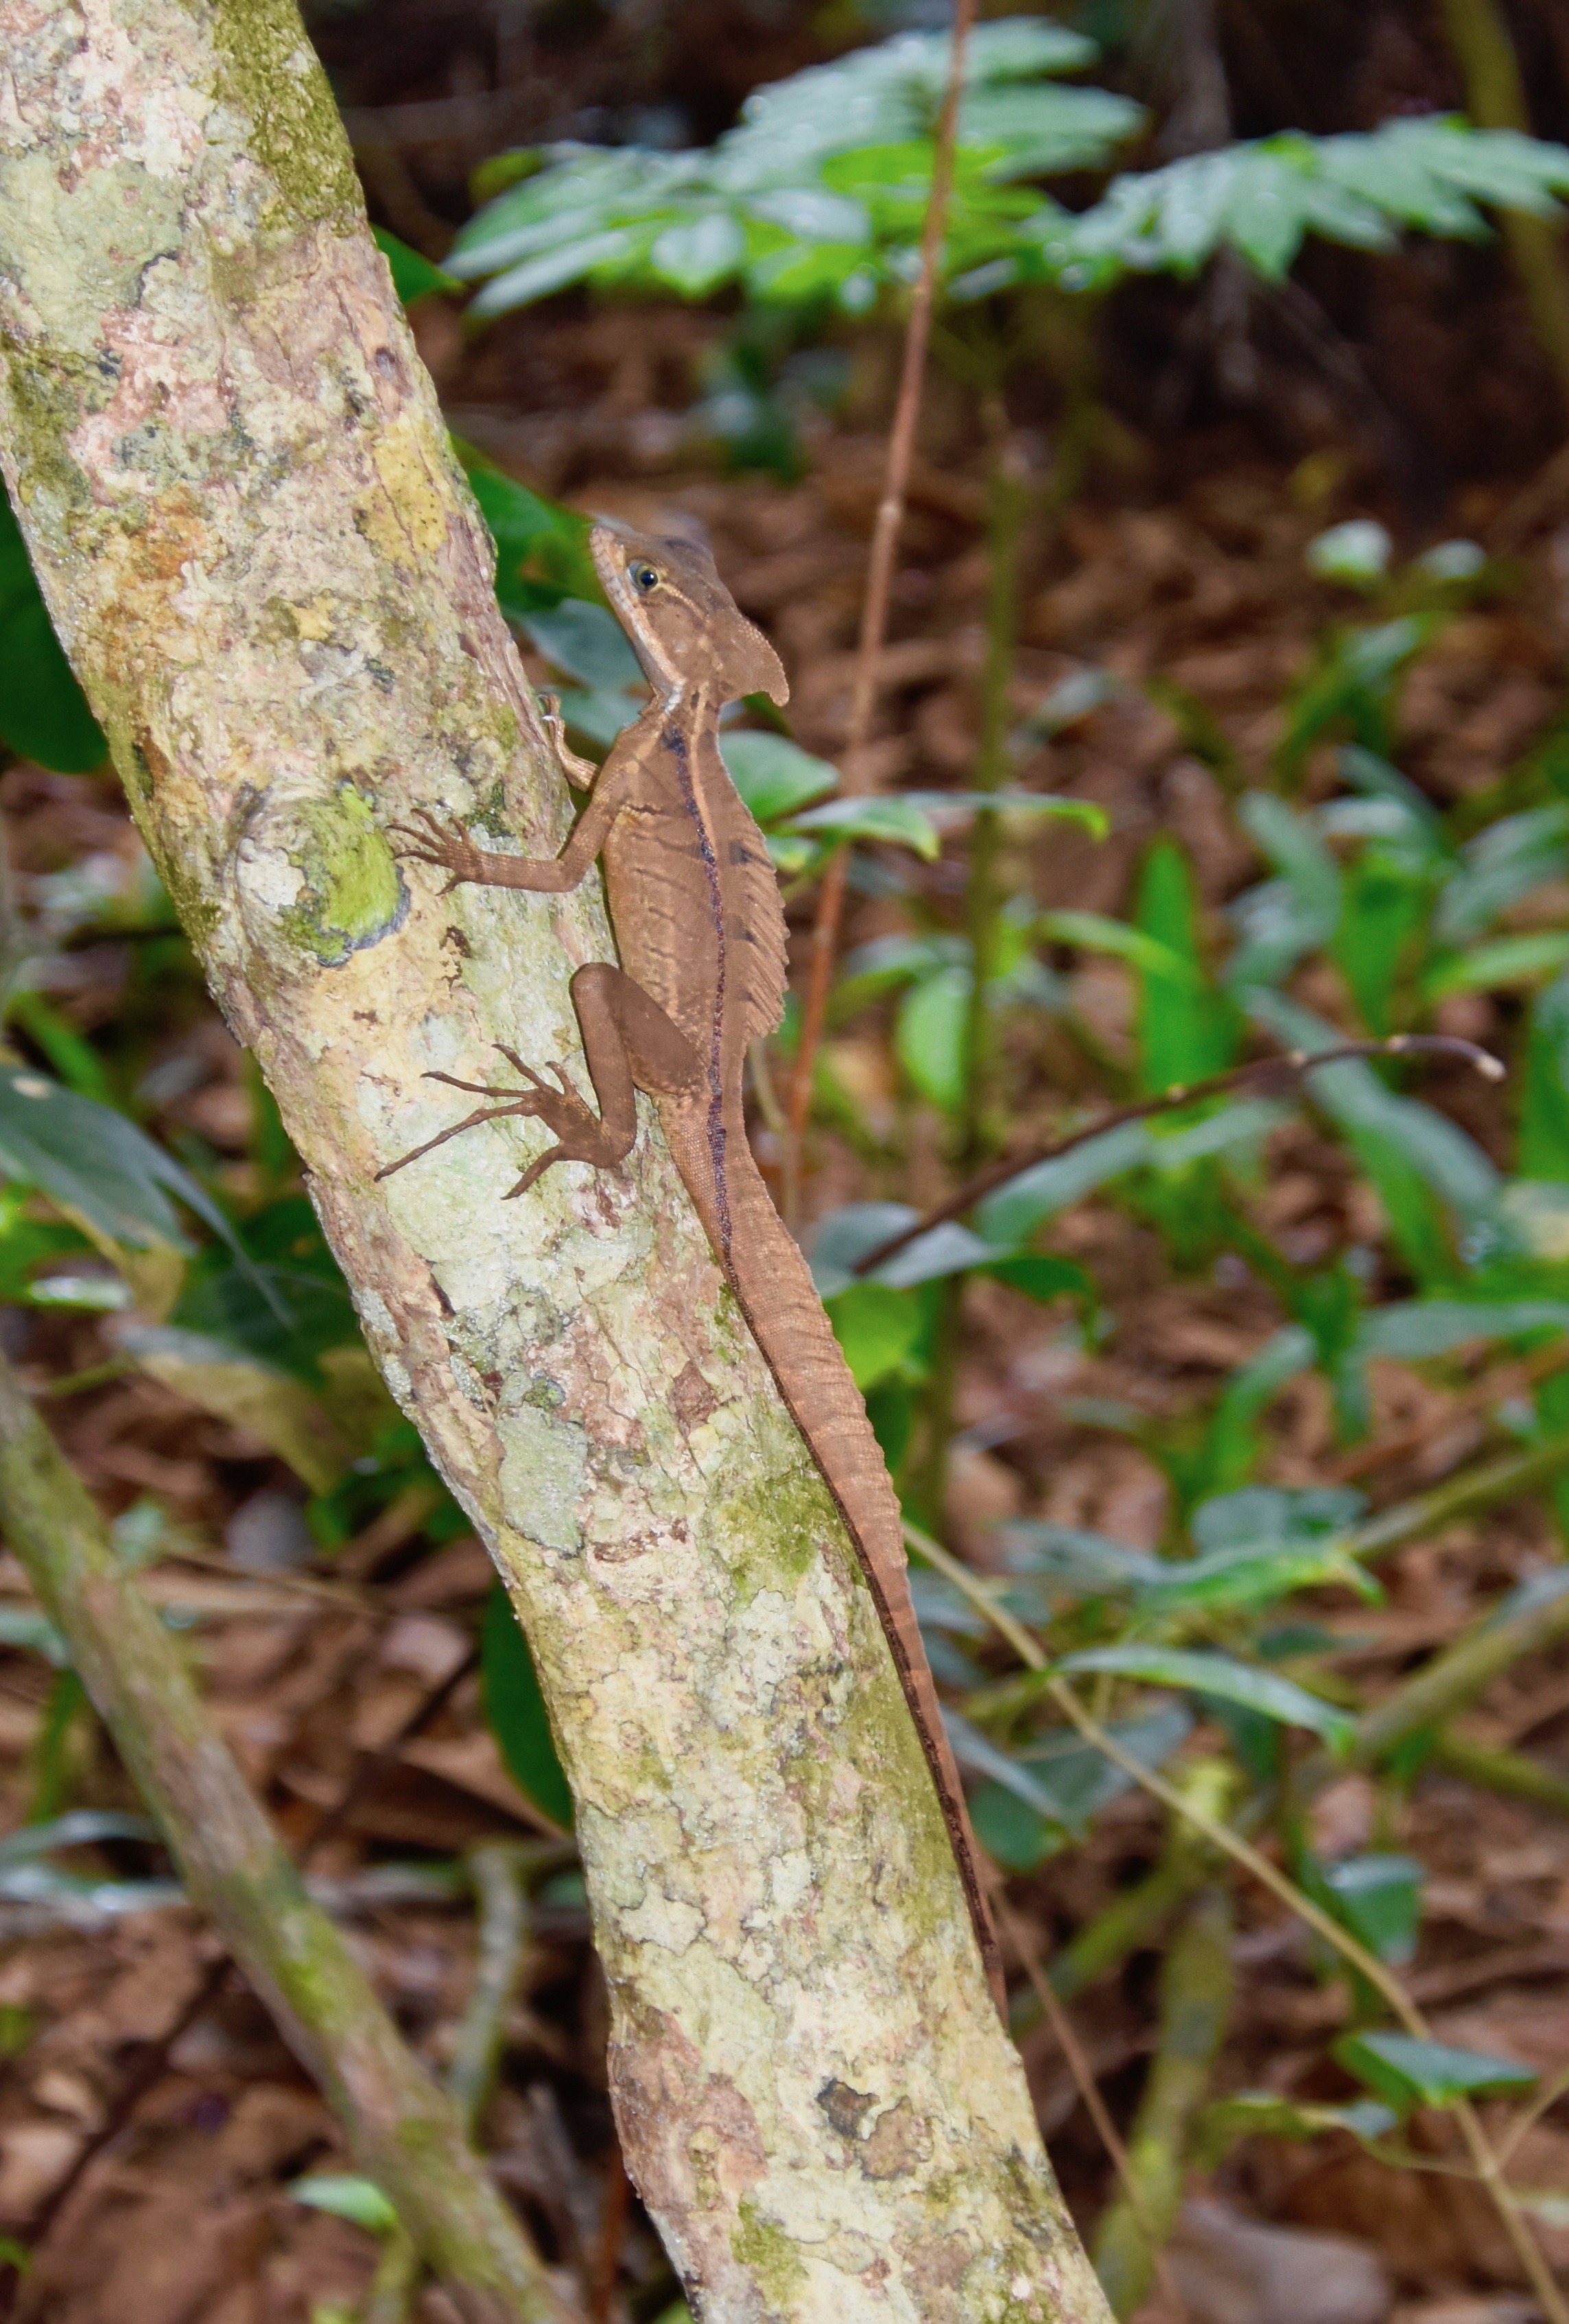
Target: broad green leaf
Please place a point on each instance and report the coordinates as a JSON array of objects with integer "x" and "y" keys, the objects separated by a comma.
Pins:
[
  {"x": 1014, "y": 1211},
  {"x": 1408, "y": 2072},
  {"x": 541, "y": 548},
  {"x": 890, "y": 818},
  {"x": 1202, "y": 1673},
  {"x": 930, "y": 1035},
  {"x": 949, "y": 809},
  {"x": 588, "y": 643},
  {"x": 1381, "y": 926},
  {"x": 94, "y": 1162},
  {"x": 1095, "y": 932},
  {"x": 1379, "y": 1898},
  {"x": 552, "y": 270},
  {"x": 1078, "y": 1561},
  {"x": 413, "y": 276},
  {"x": 774, "y": 776},
  {"x": 515, "y": 1711},
  {"x": 310, "y": 1311},
  {"x": 879, "y": 1329},
  {"x": 696, "y": 255},
  {"x": 346, "y": 2197},
  {"x": 1012, "y": 1818},
  {"x": 43, "y": 712}
]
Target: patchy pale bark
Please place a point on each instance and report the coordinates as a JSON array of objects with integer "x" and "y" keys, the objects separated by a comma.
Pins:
[{"x": 235, "y": 485}]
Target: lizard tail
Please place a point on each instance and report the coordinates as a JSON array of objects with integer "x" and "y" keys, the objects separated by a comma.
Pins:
[{"x": 780, "y": 1301}]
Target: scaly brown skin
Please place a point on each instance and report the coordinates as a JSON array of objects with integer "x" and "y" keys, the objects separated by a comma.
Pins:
[{"x": 701, "y": 933}]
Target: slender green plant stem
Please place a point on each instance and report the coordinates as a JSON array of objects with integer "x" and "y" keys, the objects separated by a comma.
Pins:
[
  {"x": 1482, "y": 1487},
  {"x": 1456, "y": 1677},
  {"x": 1510, "y": 1773},
  {"x": 1007, "y": 505},
  {"x": 1495, "y": 98},
  {"x": 1007, "y": 502},
  {"x": 497, "y": 1871},
  {"x": 404, "y": 2131},
  {"x": 1195, "y": 2002},
  {"x": 1242, "y": 1852}
]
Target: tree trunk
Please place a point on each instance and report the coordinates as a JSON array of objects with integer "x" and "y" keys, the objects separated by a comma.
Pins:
[{"x": 236, "y": 489}]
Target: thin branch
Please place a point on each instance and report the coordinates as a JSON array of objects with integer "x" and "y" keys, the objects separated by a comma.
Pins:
[
  {"x": 1089, "y": 2090},
  {"x": 1264, "y": 1073},
  {"x": 880, "y": 581},
  {"x": 497, "y": 1870},
  {"x": 403, "y": 2131}
]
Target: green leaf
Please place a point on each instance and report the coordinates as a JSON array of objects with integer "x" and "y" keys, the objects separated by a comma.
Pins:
[
  {"x": 1187, "y": 1030},
  {"x": 1501, "y": 867},
  {"x": 1261, "y": 2114},
  {"x": 1042, "y": 1276},
  {"x": 697, "y": 254},
  {"x": 1017, "y": 1208},
  {"x": 1202, "y": 1673},
  {"x": 310, "y": 1311},
  {"x": 1356, "y": 552},
  {"x": 880, "y": 1331},
  {"x": 774, "y": 776},
  {"x": 80, "y": 1828},
  {"x": 413, "y": 276},
  {"x": 1414, "y": 1330},
  {"x": 1065, "y": 1782},
  {"x": 33, "y": 1633},
  {"x": 1379, "y": 1898},
  {"x": 1496, "y": 967},
  {"x": 1544, "y": 1149},
  {"x": 43, "y": 712},
  {"x": 515, "y": 1711},
  {"x": 588, "y": 643},
  {"x": 541, "y": 547},
  {"x": 889, "y": 818},
  {"x": 1095, "y": 932},
  {"x": 93, "y": 1161},
  {"x": 360, "y": 2200},
  {"x": 1408, "y": 2072},
  {"x": 930, "y": 1035}
]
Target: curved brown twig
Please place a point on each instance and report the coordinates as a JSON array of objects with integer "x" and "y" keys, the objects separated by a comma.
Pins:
[{"x": 1263, "y": 1074}]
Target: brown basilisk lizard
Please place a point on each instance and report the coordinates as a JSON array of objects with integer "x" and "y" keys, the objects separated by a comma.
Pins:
[{"x": 701, "y": 932}]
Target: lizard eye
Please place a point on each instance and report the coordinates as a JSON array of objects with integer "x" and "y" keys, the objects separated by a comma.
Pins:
[{"x": 644, "y": 578}]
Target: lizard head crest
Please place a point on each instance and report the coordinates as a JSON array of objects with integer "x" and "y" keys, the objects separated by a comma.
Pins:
[{"x": 684, "y": 626}]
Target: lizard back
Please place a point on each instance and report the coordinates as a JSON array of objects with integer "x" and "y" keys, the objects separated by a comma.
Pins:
[{"x": 700, "y": 926}]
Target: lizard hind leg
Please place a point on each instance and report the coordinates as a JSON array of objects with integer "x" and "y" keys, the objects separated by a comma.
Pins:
[{"x": 630, "y": 1044}]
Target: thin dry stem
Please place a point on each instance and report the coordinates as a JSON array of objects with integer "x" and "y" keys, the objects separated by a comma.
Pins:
[
  {"x": 880, "y": 580},
  {"x": 1089, "y": 2090}
]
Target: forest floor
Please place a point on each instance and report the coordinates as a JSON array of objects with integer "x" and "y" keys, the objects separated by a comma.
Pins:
[{"x": 151, "y": 2122}]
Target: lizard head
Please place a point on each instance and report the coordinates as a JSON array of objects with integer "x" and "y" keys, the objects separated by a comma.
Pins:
[{"x": 684, "y": 626}]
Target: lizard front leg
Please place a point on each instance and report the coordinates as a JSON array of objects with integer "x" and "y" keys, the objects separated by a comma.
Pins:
[{"x": 630, "y": 1044}]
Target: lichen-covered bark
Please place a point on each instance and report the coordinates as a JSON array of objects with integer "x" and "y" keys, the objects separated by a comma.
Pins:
[{"x": 235, "y": 485}]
